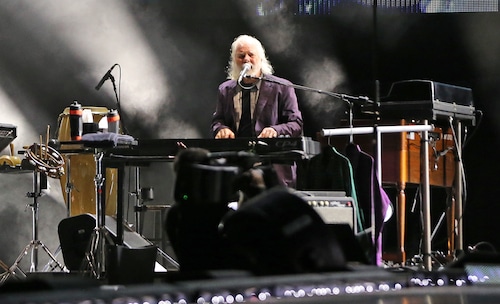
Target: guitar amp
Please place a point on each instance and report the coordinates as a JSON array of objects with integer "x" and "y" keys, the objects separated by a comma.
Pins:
[{"x": 334, "y": 207}]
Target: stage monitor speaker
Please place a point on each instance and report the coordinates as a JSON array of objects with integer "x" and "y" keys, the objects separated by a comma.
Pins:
[{"x": 74, "y": 236}]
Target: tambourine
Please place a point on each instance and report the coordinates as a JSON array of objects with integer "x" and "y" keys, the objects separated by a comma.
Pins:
[{"x": 45, "y": 159}]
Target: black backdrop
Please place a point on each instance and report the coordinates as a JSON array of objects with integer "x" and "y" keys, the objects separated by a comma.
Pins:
[{"x": 190, "y": 42}]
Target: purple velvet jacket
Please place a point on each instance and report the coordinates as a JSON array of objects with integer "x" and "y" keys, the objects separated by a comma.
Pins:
[{"x": 276, "y": 107}]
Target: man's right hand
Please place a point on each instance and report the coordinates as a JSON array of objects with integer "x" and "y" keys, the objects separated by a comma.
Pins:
[{"x": 225, "y": 133}]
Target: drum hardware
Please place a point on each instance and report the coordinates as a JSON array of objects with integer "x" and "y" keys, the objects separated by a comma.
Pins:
[
  {"x": 5, "y": 267},
  {"x": 47, "y": 162},
  {"x": 95, "y": 256},
  {"x": 69, "y": 187}
]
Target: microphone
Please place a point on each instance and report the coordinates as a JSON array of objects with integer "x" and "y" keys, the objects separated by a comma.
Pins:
[
  {"x": 105, "y": 77},
  {"x": 246, "y": 67}
]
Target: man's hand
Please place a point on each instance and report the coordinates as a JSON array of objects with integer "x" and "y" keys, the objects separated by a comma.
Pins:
[
  {"x": 268, "y": 133},
  {"x": 224, "y": 133}
]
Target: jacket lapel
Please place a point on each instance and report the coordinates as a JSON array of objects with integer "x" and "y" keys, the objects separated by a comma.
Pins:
[{"x": 264, "y": 91}]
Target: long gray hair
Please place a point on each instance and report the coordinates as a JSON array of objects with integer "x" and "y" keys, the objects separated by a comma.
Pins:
[{"x": 233, "y": 71}]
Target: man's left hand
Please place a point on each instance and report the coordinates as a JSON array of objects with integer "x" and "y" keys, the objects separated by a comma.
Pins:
[{"x": 268, "y": 133}]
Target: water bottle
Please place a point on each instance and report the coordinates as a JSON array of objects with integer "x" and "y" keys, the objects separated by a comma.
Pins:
[
  {"x": 75, "y": 120},
  {"x": 113, "y": 121}
]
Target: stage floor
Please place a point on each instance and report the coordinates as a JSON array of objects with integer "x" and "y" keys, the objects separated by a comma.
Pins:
[{"x": 361, "y": 284}]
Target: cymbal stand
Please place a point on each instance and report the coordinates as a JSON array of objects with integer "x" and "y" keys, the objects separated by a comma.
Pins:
[
  {"x": 69, "y": 188},
  {"x": 96, "y": 254},
  {"x": 35, "y": 243}
]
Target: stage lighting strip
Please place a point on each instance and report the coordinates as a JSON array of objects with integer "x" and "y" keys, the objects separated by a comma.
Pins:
[{"x": 340, "y": 286}]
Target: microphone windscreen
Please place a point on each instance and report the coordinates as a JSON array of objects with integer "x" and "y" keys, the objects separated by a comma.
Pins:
[{"x": 247, "y": 66}]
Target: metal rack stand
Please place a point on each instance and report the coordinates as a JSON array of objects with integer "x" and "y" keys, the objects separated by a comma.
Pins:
[
  {"x": 95, "y": 256},
  {"x": 458, "y": 208},
  {"x": 424, "y": 128},
  {"x": 35, "y": 243}
]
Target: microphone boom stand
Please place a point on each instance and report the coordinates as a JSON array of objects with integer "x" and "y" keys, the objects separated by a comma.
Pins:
[{"x": 350, "y": 100}]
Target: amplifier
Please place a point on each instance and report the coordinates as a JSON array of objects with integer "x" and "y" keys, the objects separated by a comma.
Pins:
[{"x": 334, "y": 207}]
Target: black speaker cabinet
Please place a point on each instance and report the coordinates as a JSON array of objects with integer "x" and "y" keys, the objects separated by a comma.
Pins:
[
  {"x": 126, "y": 265},
  {"x": 75, "y": 234}
]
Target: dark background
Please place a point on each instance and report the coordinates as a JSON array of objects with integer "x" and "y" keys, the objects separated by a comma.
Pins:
[{"x": 173, "y": 54}]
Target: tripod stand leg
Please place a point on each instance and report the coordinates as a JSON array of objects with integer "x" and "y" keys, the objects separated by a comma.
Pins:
[
  {"x": 5, "y": 273},
  {"x": 95, "y": 257},
  {"x": 15, "y": 269},
  {"x": 49, "y": 266},
  {"x": 91, "y": 263},
  {"x": 4, "y": 266},
  {"x": 52, "y": 257},
  {"x": 15, "y": 266}
]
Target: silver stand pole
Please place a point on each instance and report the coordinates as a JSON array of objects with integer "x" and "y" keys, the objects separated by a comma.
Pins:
[
  {"x": 459, "y": 245},
  {"x": 426, "y": 198},
  {"x": 35, "y": 194},
  {"x": 96, "y": 255},
  {"x": 69, "y": 185}
]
